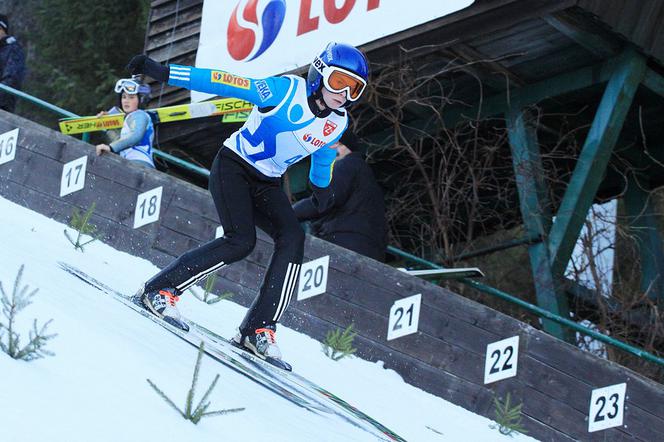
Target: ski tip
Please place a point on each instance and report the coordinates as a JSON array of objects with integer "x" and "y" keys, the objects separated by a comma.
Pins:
[
  {"x": 176, "y": 323},
  {"x": 279, "y": 363}
]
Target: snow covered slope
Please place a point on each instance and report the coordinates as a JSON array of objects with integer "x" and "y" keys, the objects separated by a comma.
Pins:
[{"x": 95, "y": 388}]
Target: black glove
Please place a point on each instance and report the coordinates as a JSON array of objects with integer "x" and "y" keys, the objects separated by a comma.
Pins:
[
  {"x": 323, "y": 198},
  {"x": 142, "y": 64}
]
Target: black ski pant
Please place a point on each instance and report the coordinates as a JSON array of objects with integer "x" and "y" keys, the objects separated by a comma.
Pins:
[{"x": 245, "y": 198}]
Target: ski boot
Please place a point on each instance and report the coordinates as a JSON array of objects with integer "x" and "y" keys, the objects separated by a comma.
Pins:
[
  {"x": 161, "y": 303},
  {"x": 263, "y": 344}
]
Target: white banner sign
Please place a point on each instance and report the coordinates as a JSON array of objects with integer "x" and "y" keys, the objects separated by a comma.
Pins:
[{"x": 259, "y": 38}]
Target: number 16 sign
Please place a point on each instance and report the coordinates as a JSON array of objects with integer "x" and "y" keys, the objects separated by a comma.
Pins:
[{"x": 404, "y": 317}]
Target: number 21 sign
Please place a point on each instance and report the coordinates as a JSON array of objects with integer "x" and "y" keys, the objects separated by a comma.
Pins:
[{"x": 404, "y": 317}]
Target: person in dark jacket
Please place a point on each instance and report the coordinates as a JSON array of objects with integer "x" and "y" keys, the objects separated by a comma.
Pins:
[
  {"x": 356, "y": 220},
  {"x": 12, "y": 64}
]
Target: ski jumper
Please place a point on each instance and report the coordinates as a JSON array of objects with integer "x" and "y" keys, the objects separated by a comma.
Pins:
[
  {"x": 245, "y": 183},
  {"x": 136, "y": 138}
]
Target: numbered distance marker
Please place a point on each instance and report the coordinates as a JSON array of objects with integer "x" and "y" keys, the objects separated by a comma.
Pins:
[
  {"x": 73, "y": 176},
  {"x": 147, "y": 207},
  {"x": 607, "y": 406},
  {"x": 501, "y": 359},
  {"x": 404, "y": 317},
  {"x": 313, "y": 278},
  {"x": 8, "y": 142}
]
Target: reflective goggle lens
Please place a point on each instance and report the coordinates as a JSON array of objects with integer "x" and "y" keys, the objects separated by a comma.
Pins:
[
  {"x": 128, "y": 86},
  {"x": 338, "y": 81}
]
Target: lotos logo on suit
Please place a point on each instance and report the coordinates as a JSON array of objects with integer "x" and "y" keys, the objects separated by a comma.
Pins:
[
  {"x": 229, "y": 79},
  {"x": 249, "y": 33},
  {"x": 313, "y": 140}
]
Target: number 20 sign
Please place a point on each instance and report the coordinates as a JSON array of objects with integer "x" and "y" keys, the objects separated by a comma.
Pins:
[
  {"x": 313, "y": 278},
  {"x": 404, "y": 317}
]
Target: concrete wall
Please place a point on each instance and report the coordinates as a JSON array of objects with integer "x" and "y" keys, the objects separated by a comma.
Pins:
[{"x": 445, "y": 357}]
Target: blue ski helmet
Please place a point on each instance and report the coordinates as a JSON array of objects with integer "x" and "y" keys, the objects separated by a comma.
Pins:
[{"x": 340, "y": 55}]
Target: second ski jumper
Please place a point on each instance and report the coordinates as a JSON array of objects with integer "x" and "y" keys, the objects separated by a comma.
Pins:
[{"x": 292, "y": 119}]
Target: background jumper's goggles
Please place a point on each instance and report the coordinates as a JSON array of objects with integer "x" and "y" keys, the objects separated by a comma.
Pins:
[
  {"x": 132, "y": 87},
  {"x": 337, "y": 79}
]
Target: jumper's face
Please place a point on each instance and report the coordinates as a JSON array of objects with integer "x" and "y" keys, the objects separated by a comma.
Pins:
[
  {"x": 129, "y": 102},
  {"x": 333, "y": 100}
]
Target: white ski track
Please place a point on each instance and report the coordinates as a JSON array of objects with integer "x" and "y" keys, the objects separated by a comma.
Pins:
[{"x": 288, "y": 385}]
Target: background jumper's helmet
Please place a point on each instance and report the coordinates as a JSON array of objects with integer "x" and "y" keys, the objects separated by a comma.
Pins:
[
  {"x": 340, "y": 67},
  {"x": 4, "y": 23},
  {"x": 132, "y": 86}
]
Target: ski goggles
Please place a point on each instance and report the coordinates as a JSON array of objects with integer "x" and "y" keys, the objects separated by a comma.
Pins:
[
  {"x": 338, "y": 80},
  {"x": 127, "y": 85}
]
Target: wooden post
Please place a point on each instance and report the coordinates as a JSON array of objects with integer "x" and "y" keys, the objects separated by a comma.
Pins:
[
  {"x": 536, "y": 219},
  {"x": 594, "y": 157},
  {"x": 643, "y": 226}
]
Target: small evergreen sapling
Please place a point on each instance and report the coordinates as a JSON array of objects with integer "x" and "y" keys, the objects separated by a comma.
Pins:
[
  {"x": 208, "y": 297},
  {"x": 81, "y": 223},
  {"x": 339, "y": 344},
  {"x": 189, "y": 412},
  {"x": 20, "y": 299},
  {"x": 508, "y": 417}
]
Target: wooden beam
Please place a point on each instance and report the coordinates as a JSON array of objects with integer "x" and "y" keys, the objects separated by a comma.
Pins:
[
  {"x": 534, "y": 93},
  {"x": 528, "y": 169},
  {"x": 501, "y": 103},
  {"x": 592, "y": 38},
  {"x": 594, "y": 157},
  {"x": 487, "y": 67},
  {"x": 643, "y": 226},
  {"x": 654, "y": 81}
]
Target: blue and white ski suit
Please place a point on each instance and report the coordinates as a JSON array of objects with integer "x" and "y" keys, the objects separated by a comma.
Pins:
[
  {"x": 136, "y": 138},
  {"x": 245, "y": 183}
]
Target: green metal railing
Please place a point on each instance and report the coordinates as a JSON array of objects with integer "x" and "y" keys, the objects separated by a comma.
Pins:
[
  {"x": 537, "y": 310},
  {"x": 476, "y": 285},
  {"x": 86, "y": 137},
  {"x": 41, "y": 103}
]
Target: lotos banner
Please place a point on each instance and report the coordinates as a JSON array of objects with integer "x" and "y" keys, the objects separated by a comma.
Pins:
[{"x": 259, "y": 38}]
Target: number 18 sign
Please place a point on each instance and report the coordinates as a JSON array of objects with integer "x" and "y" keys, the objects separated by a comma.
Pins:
[
  {"x": 147, "y": 207},
  {"x": 404, "y": 317}
]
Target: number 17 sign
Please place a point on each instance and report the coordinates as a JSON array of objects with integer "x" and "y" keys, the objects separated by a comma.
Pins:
[{"x": 404, "y": 317}]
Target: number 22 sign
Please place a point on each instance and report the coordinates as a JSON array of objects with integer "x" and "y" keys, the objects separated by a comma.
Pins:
[
  {"x": 501, "y": 359},
  {"x": 404, "y": 317}
]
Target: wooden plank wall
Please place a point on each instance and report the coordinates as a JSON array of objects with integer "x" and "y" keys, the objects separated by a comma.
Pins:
[
  {"x": 640, "y": 24},
  {"x": 446, "y": 357},
  {"x": 172, "y": 37}
]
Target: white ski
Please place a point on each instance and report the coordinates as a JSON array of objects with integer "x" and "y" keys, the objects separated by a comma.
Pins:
[{"x": 286, "y": 384}]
